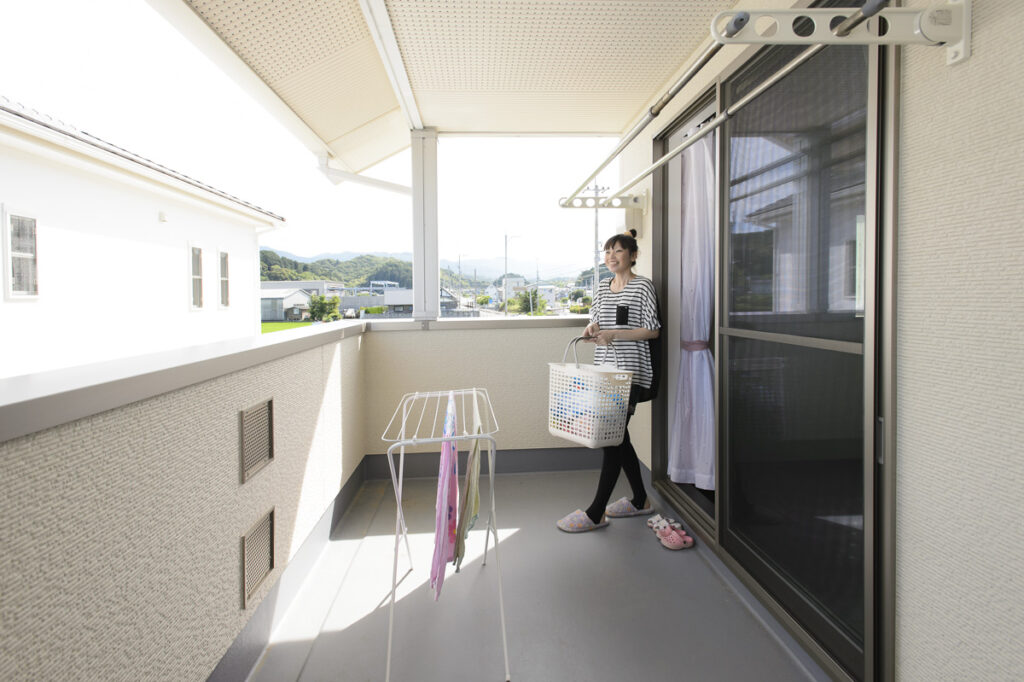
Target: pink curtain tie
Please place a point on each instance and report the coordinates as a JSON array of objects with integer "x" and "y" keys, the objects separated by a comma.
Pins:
[{"x": 694, "y": 345}]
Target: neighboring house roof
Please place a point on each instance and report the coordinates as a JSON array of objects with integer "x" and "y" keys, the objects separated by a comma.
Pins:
[
  {"x": 394, "y": 296},
  {"x": 281, "y": 293},
  {"x": 44, "y": 121},
  {"x": 299, "y": 284}
]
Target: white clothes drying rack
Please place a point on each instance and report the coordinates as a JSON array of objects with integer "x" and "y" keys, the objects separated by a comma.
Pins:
[{"x": 419, "y": 420}]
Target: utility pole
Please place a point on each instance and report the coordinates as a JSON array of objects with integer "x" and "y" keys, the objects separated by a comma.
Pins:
[
  {"x": 505, "y": 280},
  {"x": 536, "y": 288},
  {"x": 597, "y": 244},
  {"x": 459, "y": 304}
]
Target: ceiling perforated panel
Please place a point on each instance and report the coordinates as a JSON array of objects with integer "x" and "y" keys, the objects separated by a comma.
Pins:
[
  {"x": 278, "y": 38},
  {"x": 573, "y": 66},
  {"x": 319, "y": 57},
  {"x": 543, "y": 65}
]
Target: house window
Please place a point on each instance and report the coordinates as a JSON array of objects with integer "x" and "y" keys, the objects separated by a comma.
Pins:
[
  {"x": 224, "y": 279},
  {"x": 23, "y": 279},
  {"x": 197, "y": 277}
]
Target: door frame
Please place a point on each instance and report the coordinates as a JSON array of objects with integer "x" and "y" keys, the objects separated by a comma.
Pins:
[{"x": 879, "y": 388}]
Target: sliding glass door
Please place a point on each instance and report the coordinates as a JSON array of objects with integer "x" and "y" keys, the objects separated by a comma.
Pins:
[{"x": 794, "y": 374}]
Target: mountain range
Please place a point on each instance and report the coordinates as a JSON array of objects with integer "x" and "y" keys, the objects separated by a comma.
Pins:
[{"x": 484, "y": 268}]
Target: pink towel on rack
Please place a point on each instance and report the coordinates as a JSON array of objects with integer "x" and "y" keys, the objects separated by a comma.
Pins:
[{"x": 447, "y": 501}]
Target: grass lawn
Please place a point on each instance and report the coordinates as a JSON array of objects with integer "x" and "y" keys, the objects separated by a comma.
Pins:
[{"x": 281, "y": 326}]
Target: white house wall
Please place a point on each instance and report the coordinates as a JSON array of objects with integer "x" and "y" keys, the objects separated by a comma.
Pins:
[{"x": 114, "y": 280}]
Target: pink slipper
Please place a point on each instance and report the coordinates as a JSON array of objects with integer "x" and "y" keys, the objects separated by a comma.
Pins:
[
  {"x": 674, "y": 539},
  {"x": 670, "y": 537},
  {"x": 653, "y": 521}
]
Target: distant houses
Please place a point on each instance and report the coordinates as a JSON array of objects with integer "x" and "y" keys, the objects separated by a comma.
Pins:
[
  {"x": 288, "y": 300},
  {"x": 389, "y": 300},
  {"x": 323, "y": 287},
  {"x": 284, "y": 305}
]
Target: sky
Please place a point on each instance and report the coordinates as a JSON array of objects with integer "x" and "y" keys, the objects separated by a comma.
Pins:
[{"x": 117, "y": 70}]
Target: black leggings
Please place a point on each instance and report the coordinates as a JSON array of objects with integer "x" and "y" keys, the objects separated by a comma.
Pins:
[{"x": 621, "y": 457}]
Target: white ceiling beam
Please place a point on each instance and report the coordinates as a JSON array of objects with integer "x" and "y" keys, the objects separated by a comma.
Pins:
[
  {"x": 336, "y": 175},
  {"x": 379, "y": 23}
]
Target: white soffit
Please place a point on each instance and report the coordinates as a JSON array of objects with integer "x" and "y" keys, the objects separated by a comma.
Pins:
[
  {"x": 544, "y": 66},
  {"x": 473, "y": 66},
  {"x": 320, "y": 59}
]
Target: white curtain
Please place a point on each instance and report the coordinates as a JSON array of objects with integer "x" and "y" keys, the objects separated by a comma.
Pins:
[{"x": 692, "y": 438}]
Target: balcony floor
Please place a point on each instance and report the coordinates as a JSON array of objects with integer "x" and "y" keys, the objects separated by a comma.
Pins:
[{"x": 606, "y": 605}]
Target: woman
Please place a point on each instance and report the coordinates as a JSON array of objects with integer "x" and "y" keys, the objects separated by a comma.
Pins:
[{"x": 626, "y": 313}]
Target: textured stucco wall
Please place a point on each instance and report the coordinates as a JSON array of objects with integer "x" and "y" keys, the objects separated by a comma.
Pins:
[
  {"x": 120, "y": 532},
  {"x": 960, "y": 340},
  {"x": 510, "y": 364}
]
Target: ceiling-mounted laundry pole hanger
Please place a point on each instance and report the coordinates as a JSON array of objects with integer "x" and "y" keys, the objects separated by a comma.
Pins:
[
  {"x": 737, "y": 22},
  {"x": 947, "y": 24}
]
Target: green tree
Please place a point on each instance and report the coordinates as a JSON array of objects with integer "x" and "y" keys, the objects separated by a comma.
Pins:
[
  {"x": 358, "y": 271},
  {"x": 483, "y": 299},
  {"x": 322, "y": 308},
  {"x": 577, "y": 294},
  {"x": 511, "y": 275},
  {"x": 529, "y": 301},
  {"x": 602, "y": 273}
]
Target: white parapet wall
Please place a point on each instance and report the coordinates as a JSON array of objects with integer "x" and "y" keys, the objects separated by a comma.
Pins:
[
  {"x": 121, "y": 502},
  {"x": 121, "y": 530}
]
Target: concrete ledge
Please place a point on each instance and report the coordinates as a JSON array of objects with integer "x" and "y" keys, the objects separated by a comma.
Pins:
[
  {"x": 40, "y": 401},
  {"x": 35, "y": 402},
  {"x": 450, "y": 323}
]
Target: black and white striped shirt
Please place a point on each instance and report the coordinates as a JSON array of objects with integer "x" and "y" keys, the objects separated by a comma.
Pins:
[{"x": 634, "y": 307}]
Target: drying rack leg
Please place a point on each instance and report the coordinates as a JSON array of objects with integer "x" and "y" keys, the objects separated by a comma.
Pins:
[
  {"x": 394, "y": 589},
  {"x": 396, "y": 483},
  {"x": 492, "y": 527},
  {"x": 400, "y": 532}
]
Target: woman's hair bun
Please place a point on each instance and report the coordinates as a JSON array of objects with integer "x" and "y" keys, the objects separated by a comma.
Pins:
[{"x": 631, "y": 232}]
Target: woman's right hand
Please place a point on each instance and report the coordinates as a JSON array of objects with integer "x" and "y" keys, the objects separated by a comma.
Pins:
[{"x": 590, "y": 333}]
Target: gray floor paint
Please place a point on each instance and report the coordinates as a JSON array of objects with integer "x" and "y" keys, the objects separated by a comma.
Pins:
[{"x": 601, "y": 606}]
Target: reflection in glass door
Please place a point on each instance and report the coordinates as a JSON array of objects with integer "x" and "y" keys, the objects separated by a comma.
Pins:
[{"x": 792, "y": 341}]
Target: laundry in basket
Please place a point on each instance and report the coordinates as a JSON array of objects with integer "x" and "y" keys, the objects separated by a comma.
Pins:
[{"x": 587, "y": 404}]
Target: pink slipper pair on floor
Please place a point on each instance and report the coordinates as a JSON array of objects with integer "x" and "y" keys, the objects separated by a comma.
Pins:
[{"x": 670, "y": 533}]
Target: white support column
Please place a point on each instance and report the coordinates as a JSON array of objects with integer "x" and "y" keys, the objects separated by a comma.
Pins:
[{"x": 426, "y": 279}]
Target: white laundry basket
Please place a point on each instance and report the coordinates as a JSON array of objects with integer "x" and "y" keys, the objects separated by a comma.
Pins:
[{"x": 587, "y": 403}]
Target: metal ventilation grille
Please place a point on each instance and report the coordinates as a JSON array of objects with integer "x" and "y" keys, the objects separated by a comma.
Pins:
[
  {"x": 257, "y": 556},
  {"x": 257, "y": 438}
]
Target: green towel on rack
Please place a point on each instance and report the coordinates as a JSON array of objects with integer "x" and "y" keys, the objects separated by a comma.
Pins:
[{"x": 469, "y": 507}]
